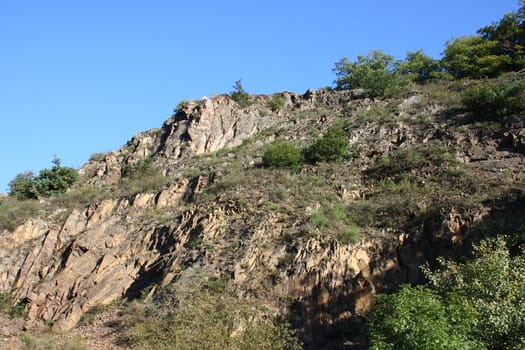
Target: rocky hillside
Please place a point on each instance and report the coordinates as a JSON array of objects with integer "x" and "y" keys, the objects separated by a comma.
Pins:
[{"x": 191, "y": 204}]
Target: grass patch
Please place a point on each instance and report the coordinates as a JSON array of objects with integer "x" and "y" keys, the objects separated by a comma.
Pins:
[
  {"x": 14, "y": 212},
  {"x": 205, "y": 320},
  {"x": 332, "y": 220}
]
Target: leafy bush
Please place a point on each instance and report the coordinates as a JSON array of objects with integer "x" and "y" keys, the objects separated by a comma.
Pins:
[
  {"x": 283, "y": 154},
  {"x": 55, "y": 180},
  {"x": 240, "y": 96},
  {"x": 182, "y": 105},
  {"x": 23, "y": 186},
  {"x": 276, "y": 103},
  {"x": 479, "y": 304},
  {"x": 417, "y": 318},
  {"x": 331, "y": 146},
  {"x": 376, "y": 73},
  {"x": 493, "y": 284},
  {"x": 494, "y": 100}
]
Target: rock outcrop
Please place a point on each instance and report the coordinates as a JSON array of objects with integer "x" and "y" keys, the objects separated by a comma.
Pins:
[{"x": 115, "y": 247}]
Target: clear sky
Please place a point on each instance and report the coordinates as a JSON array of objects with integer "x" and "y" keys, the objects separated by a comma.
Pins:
[{"x": 81, "y": 77}]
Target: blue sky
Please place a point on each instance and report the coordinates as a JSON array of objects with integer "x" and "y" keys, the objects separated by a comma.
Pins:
[{"x": 81, "y": 77}]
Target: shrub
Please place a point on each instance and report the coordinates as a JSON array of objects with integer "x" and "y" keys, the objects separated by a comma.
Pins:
[
  {"x": 205, "y": 320},
  {"x": 421, "y": 68},
  {"x": 376, "y": 73},
  {"x": 493, "y": 284},
  {"x": 55, "y": 180},
  {"x": 495, "y": 100},
  {"x": 283, "y": 154},
  {"x": 182, "y": 105},
  {"x": 276, "y": 103},
  {"x": 331, "y": 146},
  {"x": 417, "y": 318},
  {"x": 406, "y": 161},
  {"x": 240, "y": 96},
  {"x": 23, "y": 186},
  {"x": 479, "y": 304},
  {"x": 98, "y": 157}
]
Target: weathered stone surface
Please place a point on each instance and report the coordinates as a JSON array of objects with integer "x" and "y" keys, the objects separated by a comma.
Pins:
[{"x": 115, "y": 247}]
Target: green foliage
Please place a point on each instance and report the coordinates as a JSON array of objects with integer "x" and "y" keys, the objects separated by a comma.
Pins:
[
  {"x": 376, "y": 73},
  {"x": 55, "y": 180},
  {"x": 276, "y": 103},
  {"x": 493, "y": 284},
  {"x": 491, "y": 100},
  {"x": 98, "y": 157},
  {"x": 49, "y": 182},
  {"x": 417, "y": 318},
  {"x": 509, "y": 34},
  {"x": 473, "y": 57},
  {"x": 333, "y": 219},
  {"x": 23, "y": 186},
  {"x": 240, "y": 96},
  {"x": 479, "y": 304},
  {"x": 206, "y": 320},
  {"x": 421, "y": 68},
  {"x": 331, "y": 146},
  {"x": 283, "y": 154}
]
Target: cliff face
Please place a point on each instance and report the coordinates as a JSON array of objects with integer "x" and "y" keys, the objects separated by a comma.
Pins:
[{"x": 219, "y": 214}]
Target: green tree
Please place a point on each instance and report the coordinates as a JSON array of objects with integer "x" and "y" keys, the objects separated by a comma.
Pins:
[
  {"x": 417, "y": 318},
  {"x": 331, "y": 146},
  {"x": 509, "y": 34},
  {"x": 56, "y": 180},
  {"x": 376, "y": 73},
  {"x": 23, "y": 186},
  {"x": 421, "y": 68},
  {"x": 473, "y": 57},
  {"x": 240, "y": 96}
]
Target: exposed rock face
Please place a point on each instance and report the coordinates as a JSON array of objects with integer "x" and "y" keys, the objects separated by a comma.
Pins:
[
  {"x": 209, "y": 126},
  {"x": 206, "y": 126},
  {"x": 115, "y": 247}
]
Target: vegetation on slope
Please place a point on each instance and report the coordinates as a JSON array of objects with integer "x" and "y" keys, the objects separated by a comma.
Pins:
[{"x": 477, "y": 303}]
